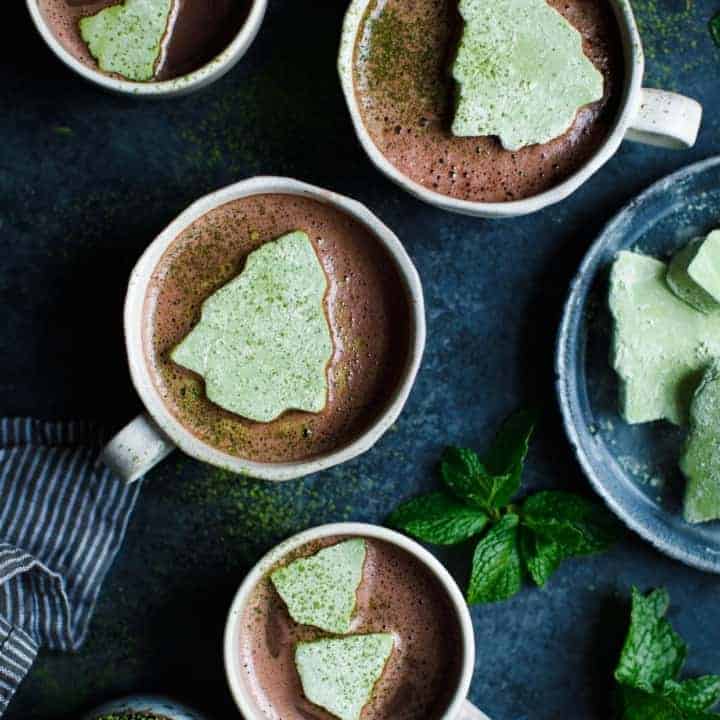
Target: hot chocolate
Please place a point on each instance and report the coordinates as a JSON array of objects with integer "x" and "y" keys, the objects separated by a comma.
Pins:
[
  {"x": 199, "y": 30},
  {"x": 397, "y": 595},
  {"x": 405, "y": 94},
  {"x": 366, "y": 305}
]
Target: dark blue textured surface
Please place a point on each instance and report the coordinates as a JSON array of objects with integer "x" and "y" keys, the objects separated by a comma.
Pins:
[{"x": 87, "y": 180}]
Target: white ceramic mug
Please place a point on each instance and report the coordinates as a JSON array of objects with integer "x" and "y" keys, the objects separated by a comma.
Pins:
[
  {"x": 653, "y": 117},
  {"x": 156, "y": 704},
  {"x": 151, "y": 437},
  {"x": 459, "y": 708},
  {"x": 183, "y": 85}
]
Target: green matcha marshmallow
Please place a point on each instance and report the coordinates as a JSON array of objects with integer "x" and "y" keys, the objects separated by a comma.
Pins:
[
  {"x": 340, "y": 674},
  {"x": 701, "y": 459},
  {"x": 321, "y": 590},
  {"x": 521, "y": 72},
  {"x": 661, "y": 346},
  {"x": 127, "y": 38},
  {"x": 694, "y": 273},
  {"x": 263, "y": 342}
]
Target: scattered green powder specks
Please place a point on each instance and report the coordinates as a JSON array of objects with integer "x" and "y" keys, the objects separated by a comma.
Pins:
[
  {"x": 261, "y": 117},
  {"x": 250, "y": 516},
  {"x": 399, "y": 60},
  {"x": 664, "y": 27},
  {"x": 389, "y": 35}
]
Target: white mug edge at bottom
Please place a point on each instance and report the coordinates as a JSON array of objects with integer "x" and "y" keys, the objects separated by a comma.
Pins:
[{"x": 241, "y": 693}]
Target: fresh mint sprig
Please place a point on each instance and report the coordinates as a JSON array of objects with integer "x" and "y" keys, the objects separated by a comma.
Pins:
[
  {"x": 715, "y": 28},
  {"x": 516, "y": 540},
  {"x": 649, "y": 666}
]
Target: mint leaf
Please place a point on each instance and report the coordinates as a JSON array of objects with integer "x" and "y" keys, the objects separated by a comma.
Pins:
[
  {"x": 491, "y": 484},
  {"x": 461, "y": 471},
  {"x": 651, "y": 659},
  {"x": 541, "y": 557},
  {"x": 653, "y": 652},
  {"x": 715, "y": 29},
  {"x": 641, "y": 705},
  {"x": 550, "y": 527},
  {"x": 577, "y": 526},
  {"x": 557, "y": 526},
  {"x": 466, "y": 477},
  {"x": 694, "y": 695},
  {"x": 510, "y": 448},
  {"x": 496, "y": 570},
  {"x": 438, "y": 518}
]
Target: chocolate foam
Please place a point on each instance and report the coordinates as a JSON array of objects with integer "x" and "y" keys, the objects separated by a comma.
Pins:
[
  {"x": 199, "y": 31},
  {"x": 398, "y": 595},
  {"x": 405, "y": 93},
  {"x": 366, "y": 305}
]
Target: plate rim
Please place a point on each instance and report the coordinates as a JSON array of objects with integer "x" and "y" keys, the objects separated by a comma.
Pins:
[{"x": 570, "y": 310}]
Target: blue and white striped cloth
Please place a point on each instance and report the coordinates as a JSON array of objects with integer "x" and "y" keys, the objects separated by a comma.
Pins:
[{"x": 62, "y": 520}]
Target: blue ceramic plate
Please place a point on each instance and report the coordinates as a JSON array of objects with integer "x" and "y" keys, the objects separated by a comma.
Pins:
[{"x": 634, "y": 468}]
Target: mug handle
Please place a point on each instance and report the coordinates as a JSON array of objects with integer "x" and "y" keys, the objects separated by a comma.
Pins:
[
  {"x": 470, "y": 712},
  {"x": 136, "y": 449},
  {"x": 666, "y": 119}
]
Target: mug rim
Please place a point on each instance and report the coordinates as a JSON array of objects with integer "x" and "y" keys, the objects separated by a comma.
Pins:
[
  {"x": 208, "y": 73},
  {"x": 634, "y": 71},
  {"x": 162, "y": 705},
  {"x": 134, "y": 314},
  {"x": 240, "y": 694}
]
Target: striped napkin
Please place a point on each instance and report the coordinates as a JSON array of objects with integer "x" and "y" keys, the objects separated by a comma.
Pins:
[{"x": 62, "y": 521}]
